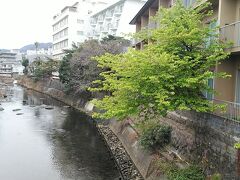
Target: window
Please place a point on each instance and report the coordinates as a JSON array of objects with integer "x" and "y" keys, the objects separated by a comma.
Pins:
[
  {"x": 117, "y": 23},
  {"x": 80, "y": 33},
  {"x": 209, "y": 95},
  {"x": 65, "y": 32},
  {"x": 80, "y": 21},
  {"x": 120, "y": 8},
  {"x": 65, "y": 43},
  {"x": 188, "y": 3},
  {"x": 212, "y": 25},
  {"x": 109, "y": 26}
]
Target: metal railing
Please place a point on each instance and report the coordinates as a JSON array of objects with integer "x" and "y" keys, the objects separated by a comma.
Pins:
[
  {"x": 100, "y": 19},
  {"x": 114, "y": 26},
  {"x": 109, "y": 15},
  {"x": 93, "y": 21},
  {"x": 104, "y": 29},
  {"x": 188, "y": 3},
  {"x": 118, "y": 11},
  {"x": 231, "y": 33},
  {"x": 230, "y": 110}
]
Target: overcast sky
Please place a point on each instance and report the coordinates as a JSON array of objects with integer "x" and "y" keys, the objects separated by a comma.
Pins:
[{"x": 27, "y": 21}]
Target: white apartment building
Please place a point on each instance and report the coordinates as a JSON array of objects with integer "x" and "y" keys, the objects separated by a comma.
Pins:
[
  {"x": 10, "y": 64},
  {"x": 72, "y": 24},
  {"x": 39, "y": 51},
  {"x": 114, "y": 19},
  {"x": 43, "y": 54}
]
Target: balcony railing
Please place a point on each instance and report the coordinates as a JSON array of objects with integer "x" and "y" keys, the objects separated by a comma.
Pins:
[
  {"x": 231, "y": 33},
  {"x": 113, "y": 26},
  {"x": 118, "y": 11},
  {"x": 104, "y": 29},
  {"x": 109, "y": 15},
  {"x": 100, "y": 19},
  {"x": 93, "y": 21},
  {"x": 188, "y": 3},
  {"x": 230, "y": 111}
]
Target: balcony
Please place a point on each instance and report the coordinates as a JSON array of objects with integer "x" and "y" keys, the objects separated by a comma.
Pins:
[
  {"x": 113, "y": 26},
  {"x": 231, "y": 33},
  {"x": 96, "y": 33},
  {"x": 93, "y": 22},
  {"x": 117, "y": 12},
  {"x": 188, "y": 3},
  {"x": 6, "y": 68},
  {"x": 109, "y": 15},
  {"x": 194, "y": 3},
  {"x": 100, "y": 19},
  {"x": 104, "y": 29},
  {"x": 231, "y": 110}
]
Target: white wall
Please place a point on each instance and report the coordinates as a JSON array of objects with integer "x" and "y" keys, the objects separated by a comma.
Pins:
[
  {"x": 130, "y": 9},
  {"x": 83, "y": 10}
]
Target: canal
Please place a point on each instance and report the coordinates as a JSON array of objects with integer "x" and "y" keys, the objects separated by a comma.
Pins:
[{"x": 42, "y": 139}]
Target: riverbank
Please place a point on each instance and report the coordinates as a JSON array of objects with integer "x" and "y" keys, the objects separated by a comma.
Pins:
[
  {"x": 197, "y": 138},
  {"x": 125, "y": 164}
]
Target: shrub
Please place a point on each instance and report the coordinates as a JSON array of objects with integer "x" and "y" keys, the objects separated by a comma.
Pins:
[
  {"x": 155, "y": 136},
  {"x": 237, "y": 145},
  {"x": 216, "y": 177},
  {"x": 189, "y": 173}
]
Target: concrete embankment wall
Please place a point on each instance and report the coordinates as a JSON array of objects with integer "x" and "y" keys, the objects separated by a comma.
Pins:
[
  {"x": 6, "y": 80},
  {"x": 200, "y": 138},
  {"x": 54, "y": 88}
]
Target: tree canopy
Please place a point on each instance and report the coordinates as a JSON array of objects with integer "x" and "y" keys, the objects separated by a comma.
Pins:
[
  {"x": 170, "y": 73},
  {"x": 42, "y": 69},
  {"x": 78, "y": 68}
]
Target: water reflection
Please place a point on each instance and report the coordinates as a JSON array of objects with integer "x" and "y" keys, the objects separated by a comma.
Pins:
[
  {"x": 57, "y": 144},
  {"x": 6, "y": 91}
]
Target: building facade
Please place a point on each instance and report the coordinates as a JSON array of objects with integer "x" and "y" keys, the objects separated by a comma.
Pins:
[
  {"x": 43, "y": 54},
  {"x": 71, "y": 25},
  {"x": 227, "y": 15},
  {"x": 113, "y": 20},
  {"x": 10, "y": 64}
]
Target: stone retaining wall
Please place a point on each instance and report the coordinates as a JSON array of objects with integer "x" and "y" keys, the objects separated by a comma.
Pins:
[{"x": 6, "y": 80}]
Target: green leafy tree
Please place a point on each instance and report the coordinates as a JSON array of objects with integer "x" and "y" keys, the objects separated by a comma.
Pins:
[
  {"x": 168, "y": 74},
  {"x": 25, "y": 63},
  {"x": 44, "y": 69},
  {"x": 65, "y": 69}
]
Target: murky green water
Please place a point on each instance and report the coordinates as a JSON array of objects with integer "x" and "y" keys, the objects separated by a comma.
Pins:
[{"x": 57, "y": 144}]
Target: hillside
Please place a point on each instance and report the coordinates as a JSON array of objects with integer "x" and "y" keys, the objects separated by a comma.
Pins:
[{"x": 32, "y": 46}]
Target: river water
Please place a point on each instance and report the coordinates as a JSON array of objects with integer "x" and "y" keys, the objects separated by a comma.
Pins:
[{"x": 57, "y": 144}]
